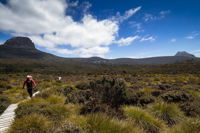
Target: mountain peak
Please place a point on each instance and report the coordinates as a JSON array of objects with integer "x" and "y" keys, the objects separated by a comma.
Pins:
[
  {"x": 184, "y": 53},
  {"x": 20, "y": 42}
]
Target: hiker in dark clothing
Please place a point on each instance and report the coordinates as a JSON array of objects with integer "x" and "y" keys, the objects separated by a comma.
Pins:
[{"x": 30, "y": 83}]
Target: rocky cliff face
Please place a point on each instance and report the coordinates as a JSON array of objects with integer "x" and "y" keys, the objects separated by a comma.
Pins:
[{"x": 19, "y": 42}]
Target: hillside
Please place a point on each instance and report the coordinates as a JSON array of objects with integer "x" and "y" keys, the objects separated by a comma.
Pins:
[{"x": 23, "y": 48}]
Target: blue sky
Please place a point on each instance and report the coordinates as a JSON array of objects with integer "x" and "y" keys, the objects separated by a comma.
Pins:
[{"x": 106, "y": 28}]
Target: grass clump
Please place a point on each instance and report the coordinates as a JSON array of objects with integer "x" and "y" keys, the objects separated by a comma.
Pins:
[
  {"x": 56, "y": 112},
  {"x": 100, "y": 123},
  {"x": 187, "y": 126},
  {"x": 170, "y": 113},
  {"x": 143, "y": 119},
  {"x": 55, "y": 99},
  {"x": 191, "y": 109},
  {"x": 33, "y": 123}
]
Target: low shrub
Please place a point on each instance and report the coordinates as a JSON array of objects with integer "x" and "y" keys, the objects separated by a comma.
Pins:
[
  {"x": 109, "y": 91},
  {"x": 170, "y": 113},
  {"x": 187, "y": 126},
  {"x": 5, "y": 86},
  {"x": 83, "y": 86},
  {"x": 69, "y": 127},
  {"x": 95, "y": 107},
  {"x": 176, "y": 96},
  {"x": 66, "y": 90},
  {"x": 191, "y": 109},
  {"x": 143, "y": 119},
  {"x": 100, "y": 123},
  {"x": 4, "y": 103},
  {"x": 138, "y": 98},
  {"x": 33, "y": 123},
  {"x": 79, "y": 96}
]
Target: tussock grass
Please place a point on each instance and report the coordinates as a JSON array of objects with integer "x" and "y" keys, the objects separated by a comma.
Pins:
[
  {"x": 170, "y": 113},
  {"x": 143, "y": 119},
  {"x": 33, "y": 123},
  {"x": 55, "y": 99},
  {"x": 16, "y": 94},
  {"x": 100, "y": 123},
  {"x": 187, "y": 126},
  {"x": 56, "y": 112}
]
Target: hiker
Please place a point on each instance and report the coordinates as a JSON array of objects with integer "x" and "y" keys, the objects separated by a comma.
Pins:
[{"x": 30, "y": 83}]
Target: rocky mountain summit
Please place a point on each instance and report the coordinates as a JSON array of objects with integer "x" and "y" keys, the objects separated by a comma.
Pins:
[
  {"x": 19, "y": 42},
  {"x": 184, "y": 53}
]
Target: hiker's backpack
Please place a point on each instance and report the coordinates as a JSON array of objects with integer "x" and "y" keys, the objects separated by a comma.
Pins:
[{"x": 29, "y": 83}]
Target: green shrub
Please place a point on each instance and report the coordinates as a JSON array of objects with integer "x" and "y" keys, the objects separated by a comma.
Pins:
[
  {"x": 69, "y": 127},
  {"x": 83, "y": 86},
  {"x": 66, "y": 90},
  {"x": 95, "y": 107},
  {"x": 4, "y": 103},
  {"x": 191, "y": 108},
  {"x": 187, "y": 126},
  {"x": 176, "y": 96},
  {"x": 138, "y": 98},
  {"x": 5, "y": 86},
  {"x": 109, "y": 91},
  {"x": 33, "y": 123},
  {"x": 170, "y": 113},
  {"x": 143, "y": 119},
  {"x": 79, "y": 96},
  {"x": 100, "y": 123}
]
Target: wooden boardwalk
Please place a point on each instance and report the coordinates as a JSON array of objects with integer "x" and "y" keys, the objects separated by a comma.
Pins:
[{"x": 8, "y": 116}]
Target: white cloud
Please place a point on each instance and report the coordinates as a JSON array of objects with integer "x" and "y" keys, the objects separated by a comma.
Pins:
[
  {"x": 196, "y": 53},
  {"x": 192, "y": 36},
  {"x": 126, "y": 41},
  {"x": 46, "y": 23},
  {"x": 136, "y": 25},
  {"x": 129, "y": 13},
  {"x": 2, "y": 42},
  {"x": 173, "y": 40},
  {"x": 150, "y": 38},
  {"x": 150, "y": 17}
]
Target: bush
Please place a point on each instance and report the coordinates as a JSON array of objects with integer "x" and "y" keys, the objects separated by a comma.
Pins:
[
  {"x": 66, "y": 90},
  {"x": 5, "y": 86},
  {"x": 100, "y": 123},
  {"x": 170, "y": 113},
  {"x": 138, "y": 98},
  {"x": 4, "y": 103},
  {"x": 191, "y": 108},
  {"x": 69, "y": 127},
  {"x": 83, "y": 86},
  {"x": 187, "y": 126},
  {"x": 109, "y": 91},
  {"x": 79, "y": 96},
  {"x": 143, "y": 119},
  {"x": 95, "y": 107},
  {"x": 33, "y": 123},
  {"x": 176, "y": 96}
]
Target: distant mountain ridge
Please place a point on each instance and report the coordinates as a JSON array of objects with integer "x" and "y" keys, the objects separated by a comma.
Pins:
[
  {"x": 184, "y": 53},
  {"x": 23, "y": 47}
]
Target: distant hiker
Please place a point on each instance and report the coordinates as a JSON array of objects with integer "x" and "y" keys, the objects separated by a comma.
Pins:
[{"x": 30, "y": 83}]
